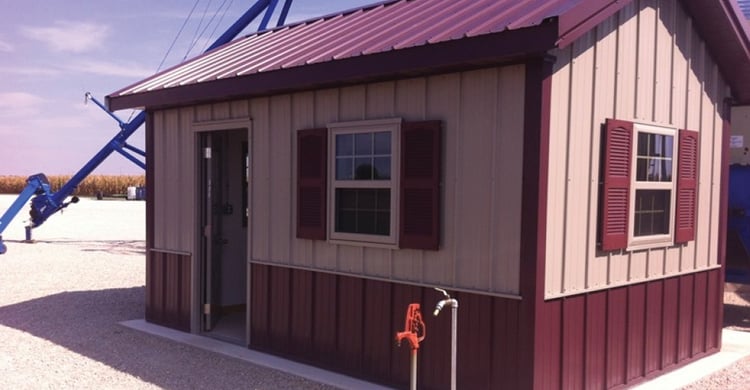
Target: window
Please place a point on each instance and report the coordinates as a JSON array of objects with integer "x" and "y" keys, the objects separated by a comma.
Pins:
[
  {"x": 365, "y": 197},
  {"x": 655, "y": 205},
  {"x": 652, "y": 189},
  {"x": 370, "y": 182}
]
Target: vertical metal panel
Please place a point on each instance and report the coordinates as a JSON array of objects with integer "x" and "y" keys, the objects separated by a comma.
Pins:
[
  {"x": 325, "y": 333},
  {"x": 505, "y": 330},
  {"x": 617, "y": 341},
  {"x": 169, "y": 290},
  {"x": 714, "y": 304},
  {"x": 636, "y": 331},
  {"x": 261, "y": 166},
  {"x": 596, "y": 341},
  {"x": 685, "y": 318},
  {"x": 443, "y": 105},
  {"x": 281, "y": 229},
  {"x": 477, "y": 102},
  {"x": 549, "y": 337},
  {"x": 303, "y": 117},
  {"x": 326, "y": 110},
  {"x": 670, "y": 324},
  {"x": 474, "y": 363},
  {"x": 654, "y": 326},
  {"x": 700, "y": 293},
  {"x": 259, "y": 305},
  {"x": 573, "y": 342},
  {"x": 349, "y": 323},
  {"x": 507, "y": 157},
  {"x": 300, "y": 328},
  {"x": 376, "y": 347},
  {"x": 603, "y": 106},
  {"x": 279, "y": 312},
  {"x": 577, "y": 163},
  {"x": 184, "y": 197}
]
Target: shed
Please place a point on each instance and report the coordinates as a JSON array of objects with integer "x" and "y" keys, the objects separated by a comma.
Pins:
[{"x": 559, "y": 165}]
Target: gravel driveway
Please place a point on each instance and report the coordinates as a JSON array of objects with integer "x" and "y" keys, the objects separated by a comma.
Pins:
[{"x": 61, "y": 300}]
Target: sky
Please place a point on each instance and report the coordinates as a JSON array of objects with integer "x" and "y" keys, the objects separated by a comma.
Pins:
[{"x": 54, "y": 51}]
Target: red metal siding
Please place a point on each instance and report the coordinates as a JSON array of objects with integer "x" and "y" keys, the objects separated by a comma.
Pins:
[
  {"x": 670, "y": 328},
  {"x": 168, "y": 289},
  {"x": 301, "y": 319},
  {"x": 278, "y": 318},
  {"x": 654, "y": 327},
  {"x": 685, "y": 318},
  {"x": 573, "y": 336},
  {"x": 700, "y": 289},
  {"x": 617, "y": 341},
  {"x": 596, "y": 342},
  {"x": 354, "y": 322}
]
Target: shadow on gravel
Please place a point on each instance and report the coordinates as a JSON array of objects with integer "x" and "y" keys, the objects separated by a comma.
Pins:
[
  {"x": 87, "y": 323},
  {"x": 737, "y": 317},
  {"x": 116, "y": 247}
]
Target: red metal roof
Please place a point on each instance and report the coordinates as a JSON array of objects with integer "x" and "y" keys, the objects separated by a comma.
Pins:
[{"x": 394, "y": 38}]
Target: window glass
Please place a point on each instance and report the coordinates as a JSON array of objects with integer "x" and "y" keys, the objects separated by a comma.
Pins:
[
  {"x": 363, "y": 211},
  {"x": 651, "y": 212},
  {"x": 363, "y": 156},
  {"x": 654, "y": 159}
]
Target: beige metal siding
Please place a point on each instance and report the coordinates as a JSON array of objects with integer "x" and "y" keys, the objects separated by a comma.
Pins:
[
  {"x": 646, "y": 63},
  {"x": 482, "y": 116}
]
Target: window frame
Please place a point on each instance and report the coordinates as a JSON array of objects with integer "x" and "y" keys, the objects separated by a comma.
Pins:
[
  {"x": 654, "y": 240},
  {"x": 392, "y": 125}
]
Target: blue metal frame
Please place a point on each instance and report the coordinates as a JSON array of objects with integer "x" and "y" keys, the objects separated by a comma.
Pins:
[{"x": 46, "y": 203}]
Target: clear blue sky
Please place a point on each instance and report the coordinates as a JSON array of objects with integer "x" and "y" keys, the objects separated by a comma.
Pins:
[{"x": 53, "y": 52}]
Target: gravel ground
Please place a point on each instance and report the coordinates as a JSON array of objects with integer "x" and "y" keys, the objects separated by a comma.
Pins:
[{"x": 62, "y": 298}]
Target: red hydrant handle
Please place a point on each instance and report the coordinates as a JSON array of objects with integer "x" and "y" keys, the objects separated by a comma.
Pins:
[{"x": 414, "y": 328}]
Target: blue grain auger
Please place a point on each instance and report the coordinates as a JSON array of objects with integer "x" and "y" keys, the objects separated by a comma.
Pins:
[{"x": 45, "y": 203}]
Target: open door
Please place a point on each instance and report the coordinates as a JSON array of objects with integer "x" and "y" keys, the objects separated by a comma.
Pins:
[{"x": 224, "y": 192}]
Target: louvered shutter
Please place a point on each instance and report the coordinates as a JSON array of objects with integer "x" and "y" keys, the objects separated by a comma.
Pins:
[
  {"x": 420, "y": 185},
  {"x": 311, "y": 183},
  {"x": 687, "y": 186},
  {"x": 616, "y": 190}
]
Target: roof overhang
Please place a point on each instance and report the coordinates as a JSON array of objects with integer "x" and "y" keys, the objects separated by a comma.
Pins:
[
  {"x": 480, "y": 51},
  {"x": 719, "y": 22},
  {"x": 725, "y": 30}
]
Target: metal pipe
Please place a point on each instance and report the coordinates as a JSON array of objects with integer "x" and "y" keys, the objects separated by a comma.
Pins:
[
  {"x": 453, "y": 303},
  {"x": 413, "y": 376}
]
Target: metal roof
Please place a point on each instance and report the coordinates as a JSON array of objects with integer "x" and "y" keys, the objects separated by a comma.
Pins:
[
  {"x": 745, "y": 7},
  {"x": 393, "y": 38}
]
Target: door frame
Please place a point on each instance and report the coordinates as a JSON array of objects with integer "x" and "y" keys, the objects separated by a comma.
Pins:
[{"x": 198, "y": 128}]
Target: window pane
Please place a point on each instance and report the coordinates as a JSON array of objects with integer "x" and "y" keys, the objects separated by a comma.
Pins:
[
  {"x": 363, "y": 144},
  {"x": 344, "y": 145},
  {"x": 383, "y": 142},
  {"x": 654, "y": 161},
  {"x": 363, "y": 211},
  {"x": 651, "y": 212},
  {"x": 363, "y": 169},
  {"x": 382, "y": 168},
  {"x": 344, "y": 168}
]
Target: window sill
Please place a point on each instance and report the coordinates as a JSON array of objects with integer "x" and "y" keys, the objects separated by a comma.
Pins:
[
  {"x": 366, "y": 244},
  {"x": 655, "y": 242}
]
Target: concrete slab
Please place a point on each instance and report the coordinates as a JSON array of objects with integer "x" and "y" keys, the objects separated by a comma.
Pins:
[
  {"x": 735, "y": 345},
  {"x": 254, "y": 357}
]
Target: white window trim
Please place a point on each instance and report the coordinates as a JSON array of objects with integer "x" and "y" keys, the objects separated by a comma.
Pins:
[
  {"x": 658, "y": 240},
  {"x": 394, "y": 126}
]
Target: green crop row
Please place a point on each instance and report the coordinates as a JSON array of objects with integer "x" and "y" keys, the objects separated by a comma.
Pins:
[{"x": 109, "y": 185}]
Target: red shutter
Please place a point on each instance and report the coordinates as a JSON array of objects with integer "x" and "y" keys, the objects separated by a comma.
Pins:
[
  {"x": 616, "y": 191},
  {"x": 420, "y": 185},
  {"x": 687, "y": 186},
  {"x": 311, "y": 183}
]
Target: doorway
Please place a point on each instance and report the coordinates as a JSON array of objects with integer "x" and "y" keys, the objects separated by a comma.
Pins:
[{"x": 223, "y": 192}]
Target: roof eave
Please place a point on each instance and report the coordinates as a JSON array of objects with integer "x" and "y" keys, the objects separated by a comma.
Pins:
[
  {"x": 502, "y": 47},
  {"x": 728, "y": 43}
]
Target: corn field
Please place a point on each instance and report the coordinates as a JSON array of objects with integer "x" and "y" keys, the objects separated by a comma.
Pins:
[{"x": 108, "y": 185}]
